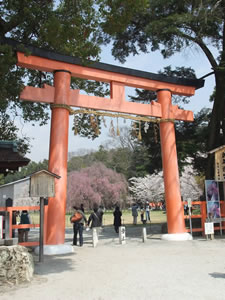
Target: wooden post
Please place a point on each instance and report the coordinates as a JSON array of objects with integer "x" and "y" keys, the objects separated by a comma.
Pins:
[
  {"x": 144, "y": 234},
  {"x": 204, "y": 215},
  {"x": 174, "y": 206},
  {"x": 122, "y": 235},
  {"x": 58, "y": 159},
  {"x": 94, "y": 237},
  {"x": 41, "y": 231}
]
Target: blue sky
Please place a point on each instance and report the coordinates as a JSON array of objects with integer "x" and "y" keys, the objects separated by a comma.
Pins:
[{"x": 152, "y": 62}]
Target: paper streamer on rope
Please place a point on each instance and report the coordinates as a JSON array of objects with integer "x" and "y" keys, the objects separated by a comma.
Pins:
[{"x": 94, "y": 121}]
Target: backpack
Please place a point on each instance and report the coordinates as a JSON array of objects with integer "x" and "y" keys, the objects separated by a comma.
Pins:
[
  {"x": 24, "y": 219},
  {"x": 76, "y": 217}
]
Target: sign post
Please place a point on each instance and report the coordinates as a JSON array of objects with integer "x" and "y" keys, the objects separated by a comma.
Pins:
[
  {"x": 42, "y": 184},
  {"x": 209, "y": 230},
  {"x": 189, "y": 210},
  {"x": 94, "y": 237},
  {"x": 1, "y": 227},
  {"x": 144, "y": 234},
  {"x": 122, "y": 235},
  {"x": 41, "y": 234}
]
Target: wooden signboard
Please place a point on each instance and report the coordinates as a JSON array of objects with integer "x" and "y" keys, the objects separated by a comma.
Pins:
[
  {"x": 42, "y": 184},
  {"x": 220, "y": 165},
  {"x": 209, "y": 228}
]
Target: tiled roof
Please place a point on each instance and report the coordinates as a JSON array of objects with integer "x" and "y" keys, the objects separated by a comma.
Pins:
[{"x": 10, "y": 159}]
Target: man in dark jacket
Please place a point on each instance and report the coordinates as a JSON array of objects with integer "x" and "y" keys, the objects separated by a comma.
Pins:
[
  {"x": 117, "y": 219},
  {"x": 101, "y": 213},
  {"x": 95, "y": 218}
]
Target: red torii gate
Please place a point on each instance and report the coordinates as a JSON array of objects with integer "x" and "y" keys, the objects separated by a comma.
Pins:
[{"x": 61, "y": 96}]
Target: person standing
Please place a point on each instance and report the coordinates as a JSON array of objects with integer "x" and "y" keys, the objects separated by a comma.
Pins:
[
  {"x": 23, "y": 232},
  {"x": 100, "y": 213},
  {"x": 147, "y": 212},
  {"x": 78, "y": 227},
  {"x": 143, "y": 215},
  {"x": 117, "y": 219},
  {"x": 82, "y": 207},
  {"x": 134, "y": 210},
  {"x": 95, "y": 218}
]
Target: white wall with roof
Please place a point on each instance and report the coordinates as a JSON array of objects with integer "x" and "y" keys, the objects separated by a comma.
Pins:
[{"x": 19, "y": 192}]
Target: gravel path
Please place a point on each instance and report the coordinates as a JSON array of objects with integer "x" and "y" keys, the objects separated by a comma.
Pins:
[{"x": 155, "y": 269}]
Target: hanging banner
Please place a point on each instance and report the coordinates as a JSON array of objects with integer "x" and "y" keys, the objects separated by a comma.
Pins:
[
  {"x": 213, "y": 209},
  {"x": 212, "y": 190},
  {"x": 212, "y": 199}
]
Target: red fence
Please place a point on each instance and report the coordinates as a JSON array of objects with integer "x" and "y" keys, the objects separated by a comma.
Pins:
[
  {"x": 11, "y": 226},
  {"x": 203, "y": 216}
]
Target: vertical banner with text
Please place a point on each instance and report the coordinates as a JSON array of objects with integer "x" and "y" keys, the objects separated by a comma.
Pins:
[{"x": 212, "y": 199}]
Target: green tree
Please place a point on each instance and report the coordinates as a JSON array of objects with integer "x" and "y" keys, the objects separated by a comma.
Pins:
[
  {"x": 117, "y": 159},
  {"x": 68, "y": 27},
  {"x": 190, "y": 137},
  {"x": 171, "y": 26},
  {"x": 8, "y": 131},
  {"x": 190, "y": 140},
  {"x": 101, "y": 155},
  {"x": 120, "y": 160},
  {"x": 130, "y": 156},
  {"x": 26, "y": 171},
  {"x": 78, "y": 162}
]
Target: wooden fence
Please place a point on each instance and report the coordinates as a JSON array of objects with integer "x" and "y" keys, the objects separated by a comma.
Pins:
[
  {"x": 11, "y": 226},
  {"x": 203, "y": 216},
  {"x": 200, "y": 204}
]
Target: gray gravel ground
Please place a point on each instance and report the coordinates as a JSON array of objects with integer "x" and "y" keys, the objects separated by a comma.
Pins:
[{"x": 155, "y": 269}]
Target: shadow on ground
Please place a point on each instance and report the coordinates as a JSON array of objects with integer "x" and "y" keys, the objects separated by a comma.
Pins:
[
  {"x": 54, "y": 264},
  {"x": 217, "y": 275}
]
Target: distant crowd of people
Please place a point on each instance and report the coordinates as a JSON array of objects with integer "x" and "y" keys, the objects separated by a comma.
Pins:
[
  {"x": 80, "y": 221},
  {"x": 95, "y": 219},
  {"x": 144, "y": 212}
]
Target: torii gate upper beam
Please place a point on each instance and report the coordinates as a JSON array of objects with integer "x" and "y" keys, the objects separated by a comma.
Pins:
[{"x": 117, "y": 77}]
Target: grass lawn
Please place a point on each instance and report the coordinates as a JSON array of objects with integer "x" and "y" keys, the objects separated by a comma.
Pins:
[{"x": 157, "y": 216}]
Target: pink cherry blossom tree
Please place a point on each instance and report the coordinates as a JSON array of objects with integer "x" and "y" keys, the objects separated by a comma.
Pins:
[{"x": 96, "y": 184}]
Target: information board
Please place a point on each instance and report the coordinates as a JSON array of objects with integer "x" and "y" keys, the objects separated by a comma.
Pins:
[
  {"x": 209, "y": 228},
  {"x": 189, "y": 202}
]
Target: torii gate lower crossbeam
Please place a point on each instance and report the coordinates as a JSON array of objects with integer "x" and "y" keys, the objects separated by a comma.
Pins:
[{"x": 61, "y": 94}]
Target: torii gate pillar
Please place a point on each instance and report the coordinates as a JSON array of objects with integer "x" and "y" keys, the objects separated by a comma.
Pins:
[
  {"x": 174, "y": 207},
  {"x": 58, "y": 152}
]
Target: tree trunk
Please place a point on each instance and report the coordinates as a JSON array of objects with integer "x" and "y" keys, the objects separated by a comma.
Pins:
[{"x": 216, "y": 131}]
